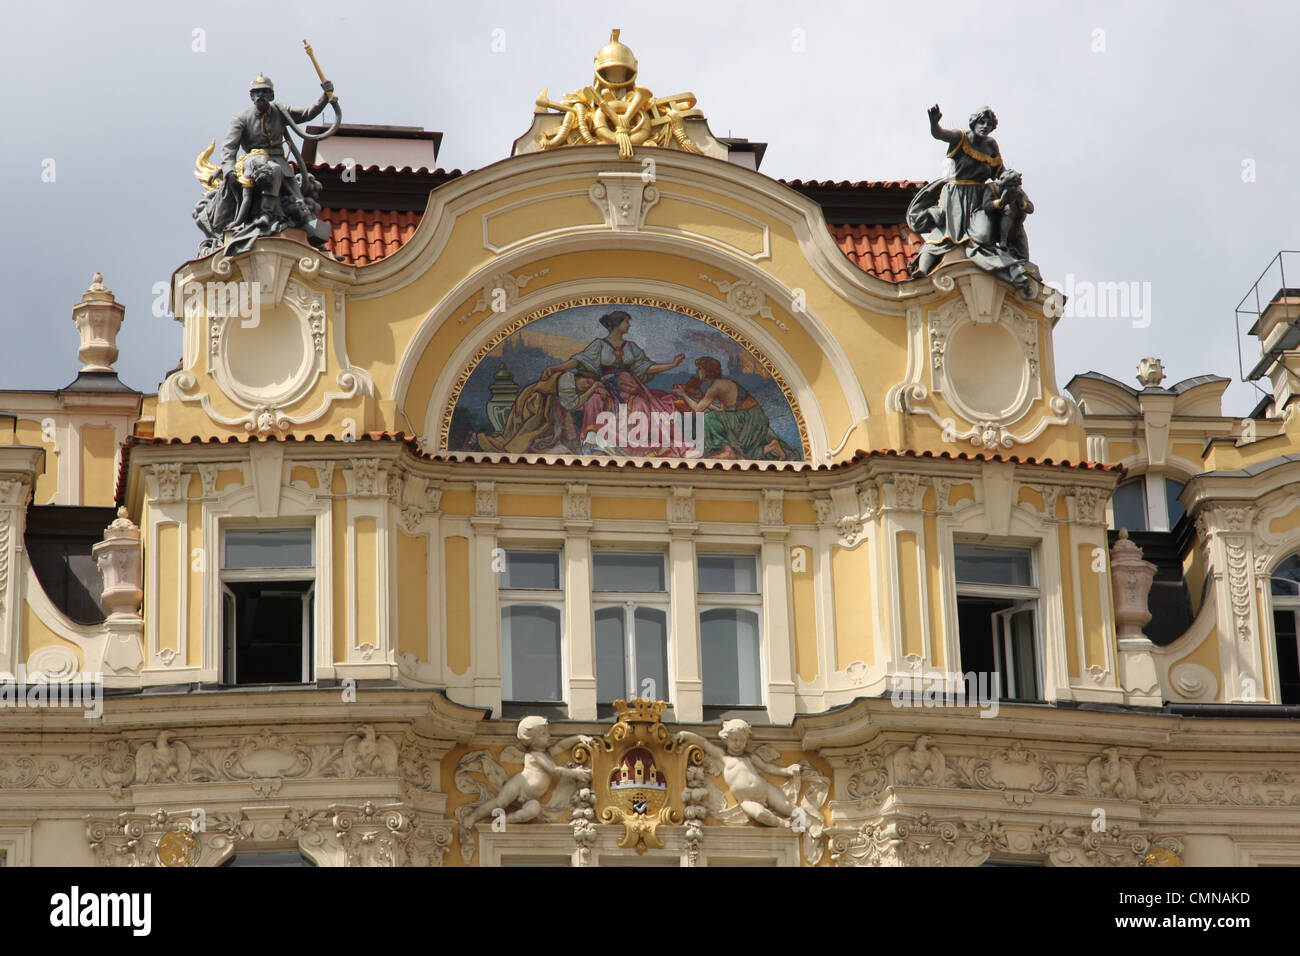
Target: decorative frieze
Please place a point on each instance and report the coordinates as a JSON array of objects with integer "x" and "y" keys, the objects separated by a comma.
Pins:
[
  {"x": 925, "y": 840},
  {"x": 368, "y": 834}
]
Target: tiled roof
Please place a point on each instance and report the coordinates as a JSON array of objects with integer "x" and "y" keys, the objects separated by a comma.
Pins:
[
  {"x": 909, "y": 186},
  {"x": 866, "y": 218},
  {"x": 882, "y": 251},
  {"x": 361, "y": 236},
  {"x": 673, "y": 464}
]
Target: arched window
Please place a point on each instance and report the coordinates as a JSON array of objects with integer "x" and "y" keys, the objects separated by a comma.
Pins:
[
  {"x": 1285, "y": 588},
  {"x": 1148, "y": 502},
  {"x": 1173, "y": 489},
  {"x": 1130, "y": 505}
]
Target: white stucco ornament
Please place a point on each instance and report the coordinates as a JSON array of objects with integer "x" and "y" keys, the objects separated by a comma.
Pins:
[
  {"x": 1151, "y": 372},
  {"x": 519, "y": 796},
  {"x": 99, "y": 318},
  {"x": 757, "y": 799},
  {"x": 1131, "y": 579},
  {"x": 118, "y": 560}
]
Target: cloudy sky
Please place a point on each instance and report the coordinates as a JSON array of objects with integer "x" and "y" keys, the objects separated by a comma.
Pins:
[{"x": 1158, "y": 141}]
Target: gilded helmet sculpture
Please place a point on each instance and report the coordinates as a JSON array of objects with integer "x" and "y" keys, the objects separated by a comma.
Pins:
[{"x": 613, "y": 58}]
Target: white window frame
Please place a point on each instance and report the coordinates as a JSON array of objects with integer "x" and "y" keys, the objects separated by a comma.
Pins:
[
  {"x": 733, "y": 600},
  {"x": 1280, "y": 602},
  {"x": 1144, "y": 484},
  {"x": 629, "y": 601},
  {"x": 1025, "y": 598},
  {"x": 542, "y": 597},
  {"x": 310, "y": 615}
]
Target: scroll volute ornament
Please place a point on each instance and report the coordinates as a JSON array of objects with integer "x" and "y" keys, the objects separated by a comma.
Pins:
[
  {"x": 118, "y": 559},
  {"x": 1131, "y": 579},
  {"x": 638, "y": 772}
]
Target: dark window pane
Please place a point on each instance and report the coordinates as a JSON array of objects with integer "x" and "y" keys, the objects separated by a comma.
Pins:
[
  {"x": 611, "y": 655},
  {"x": 1286, "y": 579},
  {"x": 1288, "y": 656},
  {"x": 1130, "y": 505},
  {"x": 977, "y": 635},
  {"x": 1176, "y": 510},
  {"x": 728, "y": 574},
  {"x": 729, "y": 654},
  {"x": 274, "y": 548},
  {"x": 531, "y": 650},
  {"x": 269, "y": 858},
  {"x": 270, "y": 621},
  {"x": 977, "y": 564},
  {"x": 627, "y": 572},
  {"x": 1024, "y": 675},
  {"x": 651, "y": 653},
  {"x": 536, "y": 570}
]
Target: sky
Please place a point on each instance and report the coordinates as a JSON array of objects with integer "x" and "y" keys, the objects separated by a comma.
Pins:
[{"x": 1157, "y": 140}]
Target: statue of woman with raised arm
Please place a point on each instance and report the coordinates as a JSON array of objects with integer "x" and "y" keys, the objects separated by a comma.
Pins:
[{"x": 956, "y": 211}]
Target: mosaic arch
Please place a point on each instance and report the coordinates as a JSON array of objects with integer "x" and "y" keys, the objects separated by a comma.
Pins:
[{"x": 623, "y": 376}]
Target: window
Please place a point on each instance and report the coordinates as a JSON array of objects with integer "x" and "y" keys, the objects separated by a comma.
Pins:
[
  {"x": 1130, "y": 505},
  {"x": 630, "y": 597},
  {"x": 268, "y": 858},
  {"x": 532, "y": 609},
  {"x": 1174, "y": 507},
  {"x": 729, "y": 646},
  {"x": 267, "y": 589},
  {"x": 997, "y": 605},
  {"x": 1285, "y": 586}
]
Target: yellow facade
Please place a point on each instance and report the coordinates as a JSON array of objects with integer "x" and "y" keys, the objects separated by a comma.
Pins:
[{"x": 927, "y": 444}]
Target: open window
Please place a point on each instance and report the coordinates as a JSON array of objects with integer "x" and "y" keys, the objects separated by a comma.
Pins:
[
  {"x": 268, "y": 584},
  {"x": 997, "y": 618},
  {"x": 1285, "y": 588}
]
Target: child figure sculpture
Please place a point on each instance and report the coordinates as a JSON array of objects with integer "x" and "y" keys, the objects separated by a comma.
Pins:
[
  {"x": 525, "y": 789},
  {"x": 762, "y": 801}
]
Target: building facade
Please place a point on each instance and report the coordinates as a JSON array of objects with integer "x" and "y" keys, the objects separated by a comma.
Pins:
[{"x": 618, "y": 504}]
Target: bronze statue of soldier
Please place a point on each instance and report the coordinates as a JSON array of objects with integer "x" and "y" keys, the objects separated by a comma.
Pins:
[{"x": 257, "y": 192}]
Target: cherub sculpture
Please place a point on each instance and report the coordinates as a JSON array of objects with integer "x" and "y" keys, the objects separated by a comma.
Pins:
[
  {"x": 1009, "y": 209},
  {"x": 758, "y": 799},
  {"x": 520, "y": 796}
]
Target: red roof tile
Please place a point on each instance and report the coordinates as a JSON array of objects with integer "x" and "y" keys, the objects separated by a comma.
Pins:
[
  {"x": 882, "y": 251},
  {"x": 674, "y": 464},
  {"x": 908, "y": 185},
  {"x": 361, "y": 236}
]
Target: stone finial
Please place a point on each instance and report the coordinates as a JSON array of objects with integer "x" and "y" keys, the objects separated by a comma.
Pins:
[
  {"x": 1151, "y": 372},
  {"x": 118, "y": 559},
  {"x": 99, "y": 318},
  {"x": 1131, "y": 579}
]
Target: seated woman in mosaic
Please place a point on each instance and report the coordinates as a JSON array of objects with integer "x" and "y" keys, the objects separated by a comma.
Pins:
[{"x": 624, "y": 370}]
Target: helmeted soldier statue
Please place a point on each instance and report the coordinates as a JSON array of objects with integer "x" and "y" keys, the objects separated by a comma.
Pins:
[{"x": 257, "y": 192}]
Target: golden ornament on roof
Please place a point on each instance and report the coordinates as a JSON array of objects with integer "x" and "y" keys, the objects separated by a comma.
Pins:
[
  {"x": 614, "y": 110},
  {"x": 615, "y": 64}
]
